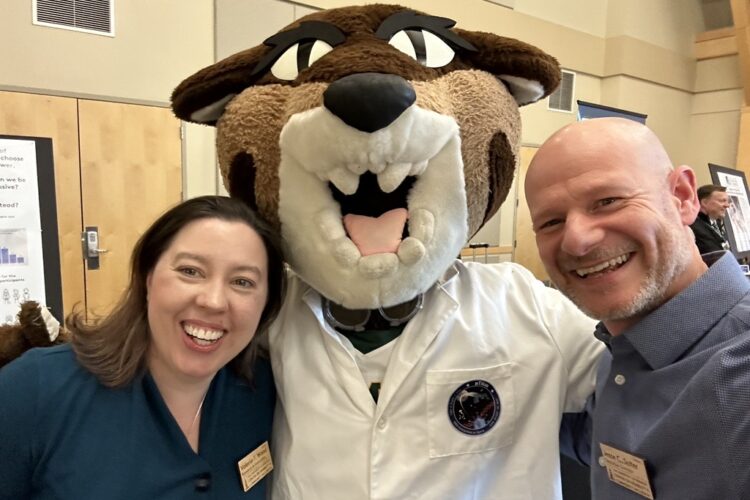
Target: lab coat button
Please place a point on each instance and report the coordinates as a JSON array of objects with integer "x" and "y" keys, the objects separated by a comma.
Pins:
[{"x": 381, "y": 423}]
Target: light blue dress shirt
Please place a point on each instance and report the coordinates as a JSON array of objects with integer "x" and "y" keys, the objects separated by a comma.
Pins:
[{"x": 674, "y": 390}]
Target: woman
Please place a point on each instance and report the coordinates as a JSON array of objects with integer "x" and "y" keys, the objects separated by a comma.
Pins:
[{"x": 165, "y": 396}]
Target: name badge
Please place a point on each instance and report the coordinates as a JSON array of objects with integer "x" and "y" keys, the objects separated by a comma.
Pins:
[
  {"x": 627, "y": 470},
  {"x": 255, "y": 466}
]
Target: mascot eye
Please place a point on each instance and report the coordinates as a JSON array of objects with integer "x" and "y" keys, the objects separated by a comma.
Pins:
[
  {"x": 430, "y": 50},
  {"x": 298, "y": 57}
]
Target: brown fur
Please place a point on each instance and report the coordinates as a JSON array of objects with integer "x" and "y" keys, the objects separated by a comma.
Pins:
[
  {"x": 249, "y": 128},
  {"x": 29, "y": 332}
]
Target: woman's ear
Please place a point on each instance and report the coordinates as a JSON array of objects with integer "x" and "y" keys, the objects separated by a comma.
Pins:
[{"x": 683, "y": 189}]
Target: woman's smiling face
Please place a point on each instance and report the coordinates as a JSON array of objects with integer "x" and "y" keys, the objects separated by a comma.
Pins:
[{"x": 206, "y": 295}]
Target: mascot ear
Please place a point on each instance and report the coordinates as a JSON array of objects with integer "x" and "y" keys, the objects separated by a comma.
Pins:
[
  {"x": 202, "y": 97},
  {"x": 528, "y": 72}
]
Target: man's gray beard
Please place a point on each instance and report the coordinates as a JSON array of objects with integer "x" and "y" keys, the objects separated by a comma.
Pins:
[{"x": 654, "y": 285}]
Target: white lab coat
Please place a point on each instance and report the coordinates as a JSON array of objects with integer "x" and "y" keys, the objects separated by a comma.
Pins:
[{"x": 495, "y": 323}]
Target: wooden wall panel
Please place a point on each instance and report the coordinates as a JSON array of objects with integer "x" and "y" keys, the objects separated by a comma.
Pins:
[
  {"x": 55, "y": 117},
  {"x": 743, "y": 146},
  {"x": 131, "y": 171}
]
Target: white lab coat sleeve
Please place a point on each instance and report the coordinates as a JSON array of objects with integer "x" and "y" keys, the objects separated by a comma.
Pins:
[{"x": 573, "y": 334}]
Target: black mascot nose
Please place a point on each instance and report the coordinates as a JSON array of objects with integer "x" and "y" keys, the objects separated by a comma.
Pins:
[{"x": 369, "y": 101}]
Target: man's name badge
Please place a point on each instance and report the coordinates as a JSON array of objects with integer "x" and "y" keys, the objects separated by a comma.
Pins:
[
  {"x": 255, "y": 466},
  {"x": 627, "y": 470}
]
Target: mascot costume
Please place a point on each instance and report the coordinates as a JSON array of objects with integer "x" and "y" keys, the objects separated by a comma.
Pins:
[{"x": 379, "y": 139}]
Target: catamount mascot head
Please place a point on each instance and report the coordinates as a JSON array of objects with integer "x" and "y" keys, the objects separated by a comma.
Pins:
[{"x": 379, "y": 139}]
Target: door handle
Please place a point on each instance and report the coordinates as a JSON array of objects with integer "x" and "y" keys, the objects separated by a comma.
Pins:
[{"x": 90, "y": 246}]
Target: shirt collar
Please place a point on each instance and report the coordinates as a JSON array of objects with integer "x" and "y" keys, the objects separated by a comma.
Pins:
[{"x": 665, "y": 334}]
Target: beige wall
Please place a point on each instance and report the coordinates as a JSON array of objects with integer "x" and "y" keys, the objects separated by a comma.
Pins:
[
  {"x": 632, "y": 54},
  {"x": 670, "y": 24},
  {"x": 587, "y": 16},
  {"x": 157, "y": 44}
]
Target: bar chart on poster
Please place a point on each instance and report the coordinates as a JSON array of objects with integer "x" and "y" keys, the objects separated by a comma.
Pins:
[{"x": 21, "y": 250}]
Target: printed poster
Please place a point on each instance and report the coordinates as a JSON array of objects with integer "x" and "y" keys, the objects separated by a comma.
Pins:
[
  {"x": 739, "y": 209},
  {"x": 21, "y": 257}
]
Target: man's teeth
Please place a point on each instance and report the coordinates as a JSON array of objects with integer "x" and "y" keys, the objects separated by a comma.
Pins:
[
  {"x": 203, "y": 336},
  {"x": 585, "y": 271}
]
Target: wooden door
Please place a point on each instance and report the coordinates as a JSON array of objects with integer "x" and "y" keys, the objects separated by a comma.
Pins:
[
  {"x": 131, "y": 171},
  {"x": 525, "y": 251},
  {"x": 35, "y": 115},
  {"x": 126, "y": 171}
]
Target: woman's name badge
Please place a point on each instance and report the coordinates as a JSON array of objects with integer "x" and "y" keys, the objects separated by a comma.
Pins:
[
  {"x": 627, "y": 470},
  {"x": 255, "y": 466}
]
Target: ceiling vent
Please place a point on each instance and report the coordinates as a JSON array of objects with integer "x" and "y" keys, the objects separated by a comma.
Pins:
[
  {"x": 562, "y": 98},
  {"x": 88, "y": 16}
]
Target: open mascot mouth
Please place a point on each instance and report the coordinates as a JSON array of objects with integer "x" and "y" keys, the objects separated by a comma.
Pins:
[
  {"x": 372, "y": 216},
  {"x": 373, "y": 201}
]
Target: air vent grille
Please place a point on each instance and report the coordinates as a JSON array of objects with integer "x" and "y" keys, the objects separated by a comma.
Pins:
[
  {"x": 90, "y": 16},
  {"x": 562, "y": 98}
]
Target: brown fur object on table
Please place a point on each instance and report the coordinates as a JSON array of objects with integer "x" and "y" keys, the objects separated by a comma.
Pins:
[{"x": 30, "y": 331}]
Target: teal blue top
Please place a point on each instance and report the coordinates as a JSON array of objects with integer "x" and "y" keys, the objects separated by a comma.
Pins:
[{"x": 65, "y": 436}]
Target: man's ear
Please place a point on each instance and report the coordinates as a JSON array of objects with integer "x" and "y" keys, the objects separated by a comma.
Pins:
[{"x": 683, "y": 189}]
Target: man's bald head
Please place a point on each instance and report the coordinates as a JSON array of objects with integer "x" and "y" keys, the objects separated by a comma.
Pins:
[
  {"x": 611, "y": 219},
  {"x": 633, "y": 143}
]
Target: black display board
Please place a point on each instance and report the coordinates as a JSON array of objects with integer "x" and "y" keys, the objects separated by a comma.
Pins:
[{"x": 737, "y": 220}]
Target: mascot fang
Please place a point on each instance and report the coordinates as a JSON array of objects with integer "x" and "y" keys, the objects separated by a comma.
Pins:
[{"x": 379, "y": 139}]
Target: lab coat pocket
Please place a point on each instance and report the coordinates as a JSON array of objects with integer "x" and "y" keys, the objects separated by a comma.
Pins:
[{"x": 470, "y": 411}]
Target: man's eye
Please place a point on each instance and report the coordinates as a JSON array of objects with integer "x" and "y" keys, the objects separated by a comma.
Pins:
[
  {"x": 549, "y": 224},
  {"x": 607, "y": 201},
  {"x": 426, "y": 48},
  {"x": 298, "y": 57}
]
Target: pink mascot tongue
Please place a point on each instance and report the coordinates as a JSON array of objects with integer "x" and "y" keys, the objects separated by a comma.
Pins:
[{"x": 376, "y": 234}]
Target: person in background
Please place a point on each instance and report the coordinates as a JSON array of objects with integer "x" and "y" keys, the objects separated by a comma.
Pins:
[
  {"x": 164, "y": 396},
  {"x": 670, "y": 413},
  {"x": 709, "y": 225}
]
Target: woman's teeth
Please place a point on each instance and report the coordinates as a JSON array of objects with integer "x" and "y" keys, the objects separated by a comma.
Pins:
[{"x": 203, "y": 336}]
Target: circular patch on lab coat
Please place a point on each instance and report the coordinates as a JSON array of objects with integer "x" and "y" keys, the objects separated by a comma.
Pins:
[{"x": 474, "y": 407}]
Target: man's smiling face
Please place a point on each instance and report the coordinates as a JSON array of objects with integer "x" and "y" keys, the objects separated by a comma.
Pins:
[{"x": 605, "y": 207}]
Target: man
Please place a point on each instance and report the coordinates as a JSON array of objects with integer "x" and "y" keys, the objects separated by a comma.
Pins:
[
  {"x": 612, "y": 219},
  {"x": 708, "y": 226}
]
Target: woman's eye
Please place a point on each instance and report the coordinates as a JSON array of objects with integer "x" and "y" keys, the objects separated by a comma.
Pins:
[
  {"x": 244, "y": 283},
  {"x": 188, "y": 271},
  {"x": 428, "y": 49},
  {"x": 299, "y": 56}
]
